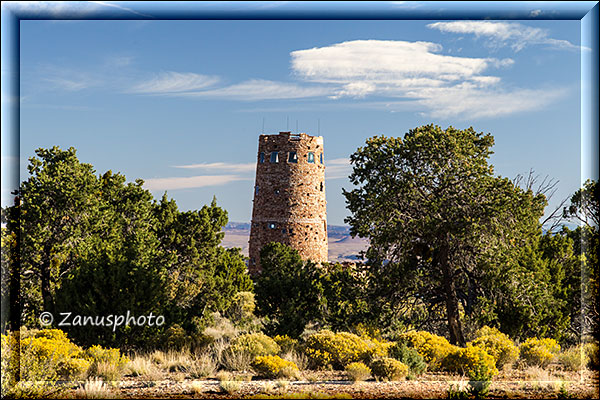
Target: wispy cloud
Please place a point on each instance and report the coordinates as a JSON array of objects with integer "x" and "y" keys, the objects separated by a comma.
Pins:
[
  {"x": 71, "y": 84},
  {"x": 174, "y": 82},
  {"x": 483, "y": 103},
  {"x": 337, "y": 168},
  {"x": 190, "y": 182},
  {"x": 54, "y": 8},
  {"x": 220, "y": 166},
  {"x": 107, "y": 4},
  {"x": 257, "y": 89},
  {"x": 513, "y": 34}
]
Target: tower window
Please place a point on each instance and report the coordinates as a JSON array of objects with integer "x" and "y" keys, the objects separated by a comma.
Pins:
[
  {"x": 274, "y": 157},
  {"x": 311, "y": 157},
  {"x": 256, "y": 190},
  {"x": 321, "y": 186},
  {"x": 261, "y": 157},
  {"x": 292, "y": 157},
  {"x": 272, "y": 225},
  {"x": 321, "y": 158}
]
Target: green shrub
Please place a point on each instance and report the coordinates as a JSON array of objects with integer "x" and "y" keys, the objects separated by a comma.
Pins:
[
  {"x": 408, "y": 356},
  {"x": 106, "y": 363},
  {"x": 474, "y": 362},
  {"x": 326, "y": 348},
  {"x": 498, "y": 345},
  {"x": 358, "y": 371},
  {"x": 388, "y": 369},
  {"x": 573, "y": 359},
  {"x": 275, "y": 367},
  {"x": 176, "y": 338},
  {"x": 591, "y": 351},
  {"x": 254, "y": 344},
  {"x": 539, "y": 352},
  {"x": 432, "y": 348}
]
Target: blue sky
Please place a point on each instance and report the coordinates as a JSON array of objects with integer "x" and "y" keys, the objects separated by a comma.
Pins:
[{"x": 180, "y": 104}]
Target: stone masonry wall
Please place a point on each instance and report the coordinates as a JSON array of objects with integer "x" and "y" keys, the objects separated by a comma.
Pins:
[{"x": 289, "y": 197}]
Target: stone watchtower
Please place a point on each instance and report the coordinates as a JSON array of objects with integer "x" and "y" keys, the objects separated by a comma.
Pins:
[{"x": 289, "y": 197}]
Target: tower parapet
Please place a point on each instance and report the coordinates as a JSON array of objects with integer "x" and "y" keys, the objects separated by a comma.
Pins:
[{"x": 289, "y": 197}]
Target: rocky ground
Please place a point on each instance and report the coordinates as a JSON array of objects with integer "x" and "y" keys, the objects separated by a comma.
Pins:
[{"x": 512, "y": 385}]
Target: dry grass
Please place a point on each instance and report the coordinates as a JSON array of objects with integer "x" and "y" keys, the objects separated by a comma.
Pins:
[
  {"x": 230, "y": 387},
  {"x": 108, "y": 371},
  {"x": 140, "y": 365},
  {"x": 178, "y": 361},
  {"x": 197, "y": 387},
  {"x": 282, "y": 384},
  {"x": 539, "y": 378},
  {"x": 236, "y": 360},
  {"x": 223, "y": 376},
  {"x": 202, "y": 366},
  {"x": 268, "y": 387},
  {"x": 158, "y": 357},
  {"x": 297, "y": 358},
  {"x": 94, "y": 389}
]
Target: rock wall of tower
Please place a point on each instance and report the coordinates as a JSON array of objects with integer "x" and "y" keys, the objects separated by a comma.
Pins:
[{"x": 289, "y": 197}]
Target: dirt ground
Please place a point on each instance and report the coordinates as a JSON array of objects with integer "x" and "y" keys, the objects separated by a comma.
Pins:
[{"x": 509, "y": 385}]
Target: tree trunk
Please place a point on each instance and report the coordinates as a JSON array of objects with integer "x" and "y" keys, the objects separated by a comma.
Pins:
[
  {"x": 454, "y": 327},
  {"x": 45, "y": 283}
]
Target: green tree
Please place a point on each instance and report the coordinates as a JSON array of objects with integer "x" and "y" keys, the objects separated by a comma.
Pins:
[
  {"x": 584, "y": 209},
  {"x": 345, "y": 289},
  {"x": 56, "y": 216},
  {"x": 435, "y": 216},
  {"x": 288, "y": 290},
  {"x": 98, "y": 246}
]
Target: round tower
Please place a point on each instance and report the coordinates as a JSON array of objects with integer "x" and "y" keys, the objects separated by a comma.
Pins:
[{"x": 289, "y": 197}]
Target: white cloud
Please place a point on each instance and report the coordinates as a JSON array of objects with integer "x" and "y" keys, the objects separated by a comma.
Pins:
[
  {"x": 535, "y": 13},
  {"x": 260, "y": 89},
  {"x": 72, "y": 80},
  {"x": 174, "y": 183},
  {"x": 436, "y": 84},
  {"x": 54, "y": 8},
  {"x": 107, "y": 4},
  {"x": 66, "y": 8},
  {"x": 337, "y": 168},
  {"x": 246, "y": 167},
  {"x": 388, "y": 68},
  {"x": 513, "y": 34},
  {"x": 71, "y": 85},
  {"x": 174, "y": 82},
  {"x": 474, "y": 102},
  {"x": 383, "y": 61}
]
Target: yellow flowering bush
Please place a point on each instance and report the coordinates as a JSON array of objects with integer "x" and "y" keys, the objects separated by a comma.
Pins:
[
  {"x": 52, "y": 348},
  {"x": 254, "y": 344},
  {"x": 539, "y": 352},
  {"x": 432, "y": 348},
  {"x": 498, "y": 345},
  {"x": 286, "y": 343},
  {"x": 44, "y": 356},
  {"x": 476, "y": 363},
  {"x": 275, "y": 367},
  {"x": 472, "y": 361},
  {"x": 339, "y": 349},
  {"x": 388, "y": 369}
]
